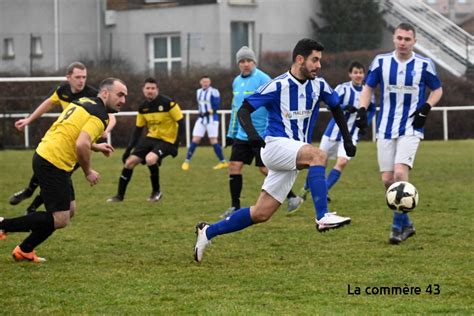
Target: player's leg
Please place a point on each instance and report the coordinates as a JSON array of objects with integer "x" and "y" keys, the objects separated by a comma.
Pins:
[
  {"x": 126, "y": 175},
  {"x": 265, "y": 207},
  {"x": 314, "y": 159},
  {"x": 212, "y": 133},
  {"x": 407, "y": 146},
  {"x": 199, "y": 131},
  {"x": 341, "y": 162},
  {"x": 25, "y": 193}
]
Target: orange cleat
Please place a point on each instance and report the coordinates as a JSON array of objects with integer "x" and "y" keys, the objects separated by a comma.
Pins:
[{"x": 19, "y": 255}]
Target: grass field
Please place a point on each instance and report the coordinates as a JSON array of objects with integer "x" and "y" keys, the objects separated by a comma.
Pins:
[{"x": 136, "y": 257}]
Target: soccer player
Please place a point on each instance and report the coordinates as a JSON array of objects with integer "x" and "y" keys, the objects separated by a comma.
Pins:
[
  {"x": 292, "y": 101},
  {"x": 208, "y": 99},
  {"x": 244, "y": 85},
  {"x": 403, "y": 77},
  {"x": 67, "y": 142},
  {"x": 164, "y": 122},
  {"x": 74, "y": 88},
  {"x": 331, "y": 143}
]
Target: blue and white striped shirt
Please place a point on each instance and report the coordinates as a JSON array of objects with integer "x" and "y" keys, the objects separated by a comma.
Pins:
[
  {"x": 293, "y": 106},
  {"x": 403, "y": 90},
  {"x": 208, "y": 101},
  {"x": 349, "y": 95}
]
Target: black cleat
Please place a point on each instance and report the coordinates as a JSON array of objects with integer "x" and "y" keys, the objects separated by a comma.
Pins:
[{"x": 20, "y": 196}]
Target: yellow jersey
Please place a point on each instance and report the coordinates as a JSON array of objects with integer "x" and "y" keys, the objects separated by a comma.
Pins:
[
  {"x": 58, "y": 146},
  {"x": 160, "y": 116},
  {"x": 63, "y": 94}
]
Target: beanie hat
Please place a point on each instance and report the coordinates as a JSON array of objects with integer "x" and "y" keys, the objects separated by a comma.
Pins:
[{"x": 245, "y": 53}]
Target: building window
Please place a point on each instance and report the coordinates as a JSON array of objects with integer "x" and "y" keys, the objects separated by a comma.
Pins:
[
  {"x": 165, "y": 54},
  {"x": 241, "y": 35},
  {"x": 8, "y": 48},
  {"x": 36, "y": 47}
]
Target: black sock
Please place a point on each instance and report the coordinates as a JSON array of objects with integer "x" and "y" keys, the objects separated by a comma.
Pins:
[
  {"x": 37, "y": 202},
  {"x": 155, "y": 177},
  {"x": 291, "y": 194},
  {"x": 124, "y": 180},
  {"x": 42, "y": 228},
  {"x": 26, "y": 223},
  {"x": 235, "y": 183},
  {"x": 33, "y": 184}
]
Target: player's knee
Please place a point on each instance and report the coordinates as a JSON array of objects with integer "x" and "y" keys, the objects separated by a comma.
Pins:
[
  {"x": 235, "y": 167},
  {"x": 151, "y": 160},
  {"x": 319, "y": 157},
  {"x": 61, "y": 219},
  {"x": 387, "y": 180},
  {"x": 258, "y": 216}
]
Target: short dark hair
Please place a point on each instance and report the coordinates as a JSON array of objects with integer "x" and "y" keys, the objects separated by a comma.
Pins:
[
  {"x": 150, "y": 80},
  {"x": 406, "y": 27},
  {"x": 108, "y": 83},
  {"x": 205, "y": 77},
  {"x": 74, "y": 65},
  {"x": 356, "y": 64},
  {"x": 305, "y": 47}
]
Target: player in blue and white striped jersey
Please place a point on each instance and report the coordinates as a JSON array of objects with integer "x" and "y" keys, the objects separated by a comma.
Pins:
[
  {"x": 292, "y": 101},
  {"x": 208, "y": 99},
  {"x": 331, "y": 143},
  {"x": 403, "y": 77}
]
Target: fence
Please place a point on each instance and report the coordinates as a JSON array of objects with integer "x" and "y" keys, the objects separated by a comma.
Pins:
[{"x": 223, "y": 115}]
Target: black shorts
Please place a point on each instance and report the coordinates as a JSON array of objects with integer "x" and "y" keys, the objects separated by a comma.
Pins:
[
  {"x": 56, "y": 186},
  {"x": 157, "y": 146},
  {"x": 242, "y": 151}
]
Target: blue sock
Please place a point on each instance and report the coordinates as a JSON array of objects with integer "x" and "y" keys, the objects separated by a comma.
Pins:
[
  {"x": 218, "y": 151},
  {"x": 398, "y": 220},
  {"x": 319, "y": 192},
  {"x": 306, "y": 185},
  {"x": 191, "y": 150},
  {"x": 333, "y": 176},
  {"x": 235, "y": 222},
  {"x": 406, "y": 220}
]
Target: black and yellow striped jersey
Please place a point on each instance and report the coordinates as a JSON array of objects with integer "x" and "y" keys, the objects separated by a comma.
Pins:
[
  {"x": 160, "y": 117},
  {"x": 58, "y": 145},
  {"x": 63, "y": 95}
]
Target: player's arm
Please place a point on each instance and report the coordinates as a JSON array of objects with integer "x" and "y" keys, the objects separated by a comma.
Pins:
[
  {"x": 83, "y": 152},
  {"x": 246, "y": 121},
  {"x": 44, "y": 107},
  {"x": 104, "y": 148},
  {"x": 364, "y": 102},
  {"x": 421, "y": 114},
  {"x": 110, "y": 126}
]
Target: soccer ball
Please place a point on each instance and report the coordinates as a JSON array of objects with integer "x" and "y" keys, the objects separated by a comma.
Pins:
[{"x": 402, "y": 196}]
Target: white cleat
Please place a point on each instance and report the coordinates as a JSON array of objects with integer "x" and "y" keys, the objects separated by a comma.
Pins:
[
  {"x": 331, "y": 221},
  {"x": 294, "y": 204},
  {"x": 201, "y": 242}
]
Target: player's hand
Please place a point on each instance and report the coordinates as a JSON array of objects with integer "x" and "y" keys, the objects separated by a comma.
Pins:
[
  {"x": 21, "y": 123},
  {"x": 105, "y": 148},
  {"x": 126, "y": 154},
  {"x": 361, "y": 118},
  {"x": 350, "y": 148},
  {"x": 228, "y": 142},
  {"x": 257, "y": 142},
  {"x": 350, "y": 108},
  {"x": 420, "y": 115},
  {"x": 93, "y": 177}
]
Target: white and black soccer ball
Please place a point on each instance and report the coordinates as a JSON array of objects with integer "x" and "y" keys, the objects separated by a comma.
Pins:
[{"x": 402, "y": 196}]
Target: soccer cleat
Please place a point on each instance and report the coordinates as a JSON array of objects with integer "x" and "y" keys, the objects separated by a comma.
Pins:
[
  {"x": 115, "y": 199},
  {"x": 155, "y": 196},
  {"x": 20, "y": 196},
  {"x": 221, "y": 165},
  {"x": 294, "y": 204},
  {"x": 3, "y": 235},
  {"x": 19, "y": 255},
  {"x": 396, "y": 237},
  {"x": 185, "y": 166},
  {"x": 228, "y": 212},
  {"x": 201, "y": 241},
  {"x": 408, "y": 231},
  {"x": 331, "y": 221}
]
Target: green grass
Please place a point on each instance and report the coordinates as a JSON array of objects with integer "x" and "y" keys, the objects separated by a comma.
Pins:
[{"x": 136, "y": 257}]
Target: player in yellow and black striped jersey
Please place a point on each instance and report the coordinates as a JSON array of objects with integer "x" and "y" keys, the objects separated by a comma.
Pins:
[
  {"x": 74, "y": 88},
  {"x": 67, "y": 142},
  {"x": 164, "y": 122}
]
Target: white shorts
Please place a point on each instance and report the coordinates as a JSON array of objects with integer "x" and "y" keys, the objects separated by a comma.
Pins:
[
  {"x": 334, "y": 148},
  {"x": 279, "y": 156},
  {"x": 400, "y": 150},
  {"x": 201, "y": 127}
]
